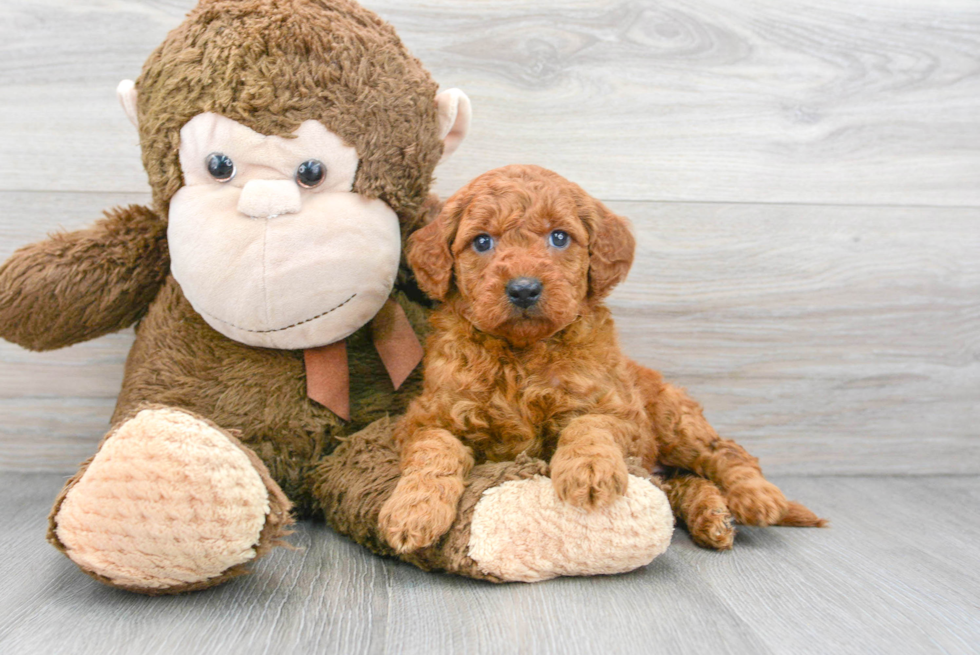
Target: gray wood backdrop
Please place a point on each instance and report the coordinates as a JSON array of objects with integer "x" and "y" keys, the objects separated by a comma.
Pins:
[{"x": 803, "y": 177}]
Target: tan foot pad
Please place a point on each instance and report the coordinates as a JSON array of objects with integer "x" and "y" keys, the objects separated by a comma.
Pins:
[
  {"x": 168, "y": 501},
  {"x": 521, "y": 531}
]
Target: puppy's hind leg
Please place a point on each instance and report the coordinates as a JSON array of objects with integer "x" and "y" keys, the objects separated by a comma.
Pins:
[
  {"x": 700, "y": 506},
  {"x": 686, "y": 440}
]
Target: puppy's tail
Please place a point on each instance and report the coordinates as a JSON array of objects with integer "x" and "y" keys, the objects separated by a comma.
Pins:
[{"x": 798, "y": 516}]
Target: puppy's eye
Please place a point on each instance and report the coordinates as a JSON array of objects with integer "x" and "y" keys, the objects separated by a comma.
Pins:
[
  {"x": 310, "y": 174},
  {"x": 559, "y": 239},
  {"x": 482, "y": 242},
  {"x": 220, "y": 166}
]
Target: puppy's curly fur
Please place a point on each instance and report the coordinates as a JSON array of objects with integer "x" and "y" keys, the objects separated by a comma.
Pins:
[{"x": 548, "y": 378}]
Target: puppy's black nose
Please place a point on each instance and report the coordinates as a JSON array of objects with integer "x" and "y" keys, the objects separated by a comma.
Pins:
[{"x": 524, "y": 291}]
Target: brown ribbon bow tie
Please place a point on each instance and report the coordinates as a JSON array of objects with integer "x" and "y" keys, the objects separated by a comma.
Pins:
[{"x": 327, "y": 375}]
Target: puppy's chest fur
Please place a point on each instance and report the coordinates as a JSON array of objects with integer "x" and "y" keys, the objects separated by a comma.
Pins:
[
  {"x": 506, "y": 401},
  {"x": 524, "y": 405}
]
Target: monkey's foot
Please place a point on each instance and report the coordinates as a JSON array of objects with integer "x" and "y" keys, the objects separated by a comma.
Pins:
[
  {"x": 522, "y": 531},
  {"x": 170, "y": 503}
]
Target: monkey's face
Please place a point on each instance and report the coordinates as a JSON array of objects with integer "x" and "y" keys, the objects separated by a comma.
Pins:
[{"x": 268, "y": 241}]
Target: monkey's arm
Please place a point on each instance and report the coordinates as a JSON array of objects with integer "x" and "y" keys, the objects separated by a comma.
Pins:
[{"x": 80, "y": 285}]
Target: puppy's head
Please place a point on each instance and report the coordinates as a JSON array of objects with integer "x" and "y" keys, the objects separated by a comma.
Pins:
[{"x": 524, "y": 251}]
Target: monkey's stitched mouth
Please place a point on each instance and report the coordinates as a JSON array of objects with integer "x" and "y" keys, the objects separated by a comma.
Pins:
[{"x": 280, "y": 329}]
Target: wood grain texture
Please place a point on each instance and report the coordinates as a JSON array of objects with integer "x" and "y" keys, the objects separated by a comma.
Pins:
[
  {"x": 825, "y": 339},
  {"x": 898, "y": 562},
  {"x": 797, "y": 101},
  {"x": 896, "y": 572}
]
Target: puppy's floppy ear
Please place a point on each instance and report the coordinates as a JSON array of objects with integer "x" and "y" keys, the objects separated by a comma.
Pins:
[
  {"x": 429, "y": 252},
  {"x": 611, "y": 247}
]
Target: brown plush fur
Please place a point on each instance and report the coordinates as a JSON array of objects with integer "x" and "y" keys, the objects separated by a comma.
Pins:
[
  {"x": 180, "y": 361},
  {"x": 549, "y": 380},
  {"x": 80, "y": 285}
]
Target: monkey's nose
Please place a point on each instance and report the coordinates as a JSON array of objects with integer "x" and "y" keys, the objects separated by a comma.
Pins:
[
  {"x": 269, "y": 198},
  {"x": 524, "y": 291}
]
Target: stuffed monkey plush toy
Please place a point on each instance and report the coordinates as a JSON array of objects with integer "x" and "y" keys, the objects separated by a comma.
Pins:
[{"x": 290, "y": 147}]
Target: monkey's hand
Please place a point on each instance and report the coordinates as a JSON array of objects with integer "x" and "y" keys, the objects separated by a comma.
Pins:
[{"x": 80, "y": 285}]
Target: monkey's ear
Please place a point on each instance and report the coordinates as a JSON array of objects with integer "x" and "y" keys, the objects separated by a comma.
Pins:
[
  {"x": 126, "y": 92},
  {"x": 455, "y": 113},
  {"x": 430, "y": 249},
  {"x": 611, "y": 248}
]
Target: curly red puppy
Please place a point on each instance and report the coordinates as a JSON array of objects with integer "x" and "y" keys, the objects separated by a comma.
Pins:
[{"x": 524, "y": 359}]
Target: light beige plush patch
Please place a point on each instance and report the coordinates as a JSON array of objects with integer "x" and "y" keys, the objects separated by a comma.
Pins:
[
  {"x": 126, "y": 92},
  {"x": 269, "y": 198},
  {"x": 455, "y": 115},
  {"x": 167, "y": 501},
  {"x": 521, "y": 531}
]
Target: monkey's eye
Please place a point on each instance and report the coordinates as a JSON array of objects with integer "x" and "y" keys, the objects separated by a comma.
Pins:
[
  {"x": 559, "y": 239},
  {"x": 220, "y": 166},
  {"x": 482, "y": 243},
  {"x": 310, "y": 174}
]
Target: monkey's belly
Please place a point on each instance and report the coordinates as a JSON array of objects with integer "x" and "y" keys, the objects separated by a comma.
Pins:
[{"x": 179, "y": 361}]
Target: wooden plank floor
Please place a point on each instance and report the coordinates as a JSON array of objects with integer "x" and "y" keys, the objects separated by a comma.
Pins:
[{"x": 898, "y": 572}]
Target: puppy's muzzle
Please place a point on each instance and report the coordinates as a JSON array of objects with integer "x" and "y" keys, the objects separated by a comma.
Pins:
[{"x": 524, "y": 291}]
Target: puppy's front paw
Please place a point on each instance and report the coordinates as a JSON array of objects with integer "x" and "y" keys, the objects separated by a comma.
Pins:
[
  {"x": 413, "y": 519},
  {"x": 756, "y": 502},
  {"x": 589, "y": 482}
]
